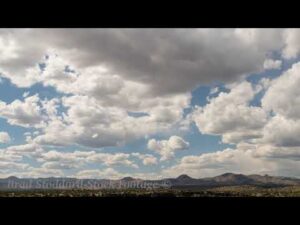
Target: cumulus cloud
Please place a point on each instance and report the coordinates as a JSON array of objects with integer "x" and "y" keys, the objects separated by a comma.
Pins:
[
  {"x": 108, "y": 173},
  {"x": 8, "y": 49},
  {"x": 112, "y": 159},
  {"x": 282, "y": 99},
  {"x": 146, "y": 55},
  {"x": 216, "y": 163},
  {"x": 283, "y": 95},
  {"x": 117, "y": 86},
  {"x": 63, "y": 160},
  {"x": 272, "y": 152},
  {"x": 7, "y": 156},
  {"x": 270, "y": 64},
  {"x": 265, "y": 160},
  {"x": 31, "y": 112},
  {"x": 13, "y": 166},
  {"x": 59, "y": 165},
  {"x": 37, "y": 172},
  {"x": 153, "y": 77},
  {"x": 87, "y": 122},
  {"x": 266, "y": 137},
  {"x": 167, "y": 148},
  {"x": 23, "y": 113},
  {"x": 4, "y": 137},
  {"x": 282, "y": 132},
  {"x": 291, "y": 43},
  {"x": 58, "y": 160},
  {"x": 28, "y": 149},
  {"x": 94, "y": 89},
  {"x": 11, "y": 161},
  {"x": 25, "y": 94},
  {"x": 230, "y": 114},
  {"x": 147, "y": 159}
]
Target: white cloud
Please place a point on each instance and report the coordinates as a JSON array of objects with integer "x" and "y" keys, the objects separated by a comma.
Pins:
[
  {"x": 282, "y": 99},
  {"x": 283, "y": 95},
  {"x": 26, "y": 94},
  {"x": 167, "y": 148},
  {"x": 8, "y": 49},
  {"x": 266, "y": 143},
  {"x": 108, "y": 173},
  {"x": 13, "y": 166},
  {"x": 270, "y": 64},
  {"x": 271, "y": 152},
  {"x": 67, "y": 160},
  {"x": 282, "y": 132},
  {"x": 291, "y": 43},
  {"x": 28, "y": 149},
  {"x": 7, "y": 156},
  {"x": 4, "y": 137},
  {"x": 37, "y": 172},
  {"x": 112, "y": 159},
  {"x": 214, "y": 90},
  {"x": 63, "y": 160},
  {"x": 264, "y": 160},
  {"x": 59, "y": 165},
  {"x": 110, "y": 75},
  {"x": 23, "y": 113},
  {"x": 229, "y": 114},
  {"x": 216, "y": 163},
  {"x": 86, "y": 117},
  {"x": 147, "y": 159},
  {"x": 161, "y": 57},
  {"x": 107, "y": 85}
]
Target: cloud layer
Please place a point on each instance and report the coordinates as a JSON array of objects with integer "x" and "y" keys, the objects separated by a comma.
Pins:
[{"x": 114, "y": 87}]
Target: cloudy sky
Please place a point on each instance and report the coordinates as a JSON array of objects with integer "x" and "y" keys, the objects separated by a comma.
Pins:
[{"x": 149, "y": 103}]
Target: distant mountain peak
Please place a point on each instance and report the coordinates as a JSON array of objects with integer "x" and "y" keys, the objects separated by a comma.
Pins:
[
  {"x": 227, "y": 174},
  {"x": 12, "y": 178},
  {"x": 128, "y": 179},
  {"x": 226, "y": 179},
  {"x": 184, "y": 177},
  {"x": 232, "y": 175}
]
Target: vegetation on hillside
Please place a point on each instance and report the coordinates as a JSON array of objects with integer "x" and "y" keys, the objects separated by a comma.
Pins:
[{"x": 229, "y": 191}]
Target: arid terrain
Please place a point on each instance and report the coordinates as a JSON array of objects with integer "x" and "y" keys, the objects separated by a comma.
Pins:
[
  {"x": 230, "y": 191},
  {"x": 225, "y": 185}
]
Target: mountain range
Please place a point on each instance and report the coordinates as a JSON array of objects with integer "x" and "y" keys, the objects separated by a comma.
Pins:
[{"x": 181, "y": 182}]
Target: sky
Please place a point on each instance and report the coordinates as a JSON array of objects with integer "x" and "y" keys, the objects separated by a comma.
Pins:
[{"x": 149, "y": 103}]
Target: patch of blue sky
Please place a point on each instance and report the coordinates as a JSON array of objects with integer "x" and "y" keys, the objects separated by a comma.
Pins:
[
  {"x": 269, "y": 74},
  {"x": 272, "y": 73},
  {"x": 256, "y": 101},
  {"x": 68, "y": 148},
  {"x": 139, "y": 145},
  {"x": 137, "y": 114},
  {"x": 199, "y": 98},
  {"x": 68, "y": 69},
  {"x": 202, "y": 143},
  {"x": 45, "y": 92},
  {"x": 199, "y": 144},
  {"x": 200, "y": 94},
  {"x": 31, "y": 161},
  {"x": 9, "y": 92},
  {"x": 42, "y": 66},
  {"x": 16, "y": 133}
]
